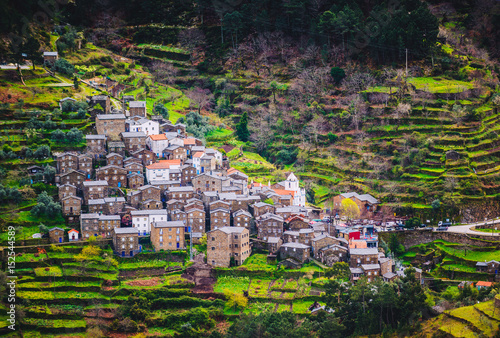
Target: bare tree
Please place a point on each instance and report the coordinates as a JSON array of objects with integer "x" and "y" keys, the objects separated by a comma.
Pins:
[
  {"x": 402, "y": 110},
  {"x": 191, "y": 38},
  {"x": 261, "y": 125},
  {"x": 163, "y": 72},
  {"x": 358, "y": 82},
  {"x": 202, "y": 98},
  {"x": 450, "y": 183},
  {"x": 457, "y": 113}
]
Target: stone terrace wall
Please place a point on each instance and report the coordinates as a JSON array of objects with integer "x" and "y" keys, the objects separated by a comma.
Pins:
[{"x": 414, "y": 237}]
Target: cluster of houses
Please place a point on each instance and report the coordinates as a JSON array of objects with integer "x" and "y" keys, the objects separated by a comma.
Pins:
[{"x": 143, "y": 177}]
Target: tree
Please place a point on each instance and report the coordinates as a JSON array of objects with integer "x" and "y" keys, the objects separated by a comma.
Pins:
[
  {"x": 436, "y": 204},
  {"x": 43, "y": 228},
  {"x": 396, "y": 248},
  {"x": 74, "y": 135},
  {"x": 31, "y": 47},
  {"x": 412, "y": 223},
  {"x": 235, "y": 300},
  {"x": 349, "y": 209},
  {"x": 42, "y": 152},
  {"x": 160, "y": 109},
  {"x": 339, "y": 270},
  {"x": 63, "y": 66},
  {"x": 200, "y": 97},
  {"x": 224, "y": 106},
  {"x": 338, "y": 74},
  {"x": 242, "y": 128},
  {"x": 458, "y": 113},
  {"x": 58, "y": 136},
  {"x": 46, "y": 207},
  {"x": 76, "y": 83}
]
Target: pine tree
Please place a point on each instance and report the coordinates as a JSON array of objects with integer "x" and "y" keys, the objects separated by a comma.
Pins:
[{"x": 242, "y": 128}]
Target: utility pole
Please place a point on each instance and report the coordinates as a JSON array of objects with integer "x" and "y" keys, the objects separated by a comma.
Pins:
[
  {"x": 407, "y": 62},
  {"x": 190, "y": 243}
]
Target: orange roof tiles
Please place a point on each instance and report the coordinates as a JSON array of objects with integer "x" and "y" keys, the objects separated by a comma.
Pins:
[
  {"x": 190, "y": 141},
  {"x": 487, "y": 284},
  {"x": 158, "y": 137},
  {"x": 198, "y": 154},
  {"x": 164, "y": 164},
  {"x": 357, "y": 244},
  {"x": 284, "y": 192}
]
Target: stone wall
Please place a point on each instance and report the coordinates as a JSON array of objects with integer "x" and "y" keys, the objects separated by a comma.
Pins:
[{"x": 415, "y": 237}]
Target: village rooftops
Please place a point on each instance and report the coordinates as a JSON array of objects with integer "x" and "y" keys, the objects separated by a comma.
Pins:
[
  {"x": 169, "y": 224},
  {"x": 111, "y": 117},
  {"x": 97, "y": 201},
  {"x": 94, "y": 183},
  {"x": 129, "y": 134},
  {"x": 89, "y": 216},
  {"x": 261, "y": 204},
  {"x": 370, "y": 266},
  {"x": 389, "y": 275},
  {"x": 365, "y": 198},
  {"x": 164, "y": 164},
  {"x": 356, "y": 270},
  {"x": 180, "y": 189},
  {"x": 137, "y": 104},
  {"x": 95, "y": 137},
  {"x": 125, "y": 231},
  {"x": 232, "y": 230},
  {"x": 189, "y": 141},
  {"x": 295, "y": 245},
  {"x": 317, "y": 238},
  {"x": 242, "y": 212},
  {"x": 109, "y": 217},
  {"x": 268, "y": 215},
  {"x": 273, "y": 240},
  {"x": 158, "y": 137},
  {"x": 114, "y": 199},
  {"x": 367, "y": 251},
  {"x": 148, "y": 212},
  {"x": 49, "y": 53},
  {"x": 113, "y": 154},
  {"x": 220, "y": 209},
  {"x": 160, "y": 182}
]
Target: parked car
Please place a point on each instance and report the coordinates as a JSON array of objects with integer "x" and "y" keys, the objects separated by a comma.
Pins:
[
  {"x": 442, "y": 228},
  {"x": 327, "y": 219}
]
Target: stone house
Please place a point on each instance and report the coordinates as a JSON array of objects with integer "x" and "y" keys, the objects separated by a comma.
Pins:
[
  {"x": 225, "y": 243},
  {"x": 97, "y": 206},
  {"x": 371, "y": 271},
  {"x": 168, "y": 236},
  {"x": 73, "y": 177},
  {"x": 135, "y": 180},
  {"x": 111, "y": 125},
  {"x": 164, "y": 185},
  {"x": 321, "y": 242},
  {"x": 331, "y": 254},
  {"x": 114, "y": 159},
  {"x": 297, "y": 251},
  {"x": 94, "y": 190},
  {"x": 187, "y": 174},
  {"x": 261, "y": 208},
  {"x": 219, "y": 218},
  {"x": 174, "y": 204},
  {"x": 49, "y": 58},
  {"x": 66, "y": 162},
  {"x": 126, "y": 242},
  {"x": 137, "y": 108},
  {"x": 387, "y": 266},
  {"x": 96, "y": 144},
  {"x": 207, "y": 163},
  {"x": 89, "y": 225},
  {"x": 209, "y": 182},
  {"x": 208, "y": 197},
  {"x": 274, "y": 244},
  {"x": 114, "y": 205},
  {"x": 219, "y": 204},
  {"x": 175, "y": 175},
  {"x": 151, "y": 204},
  {"x": 66, "y": 190},
  {"x": 134, "y": 167},
  {"x": 35, "y": 169},
  {"x": 142, "y": 219},
  {"x": 178, "y": 215},
  {"x": 147, "y": 156},
  {"x": 359, "y": 257},
  {"x": 103, "y": 100},
  {"x": 156, "y": 143},
  {"x": 85, "y": 164},
  {"x": 491, "y": 267},
  {"x": 269, "y": 225},
  {"x": 304, "y": 236},
  {"x": 194, "y": 203},
  {"x": 242, "y": 218},
  {"x": 108, "y": 223},
  {"x": 115, "y": 176},
  {"x": 117, "y": 147},
  {"x": 297, "y": 222},
  {"x": 134, "y": 140},
  {"x": 196, "y": 219},
  {"x": 175, "y": 152},
  {"x": 56, "y": 235},
  {"x": 131, "y": 159},
  {"x": 71, "y": 205},
  {"x": 180, "y": 193}
]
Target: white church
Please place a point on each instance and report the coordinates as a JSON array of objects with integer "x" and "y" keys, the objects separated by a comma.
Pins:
[{"x": 292, "y": 184}]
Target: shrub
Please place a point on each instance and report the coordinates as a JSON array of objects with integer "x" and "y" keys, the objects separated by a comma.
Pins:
[{"x": 63, "y": 66}]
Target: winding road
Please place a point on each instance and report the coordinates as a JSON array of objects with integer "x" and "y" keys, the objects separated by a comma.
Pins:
[{"x": 466, "y": 228}]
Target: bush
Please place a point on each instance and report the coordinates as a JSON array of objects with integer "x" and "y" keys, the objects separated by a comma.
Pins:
[
  {"x": 63, "y": 66},
  {"x": 332, "y": 137}
]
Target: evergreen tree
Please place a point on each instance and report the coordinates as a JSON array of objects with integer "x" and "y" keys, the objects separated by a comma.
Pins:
[{"x": 242, "y": 128}]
